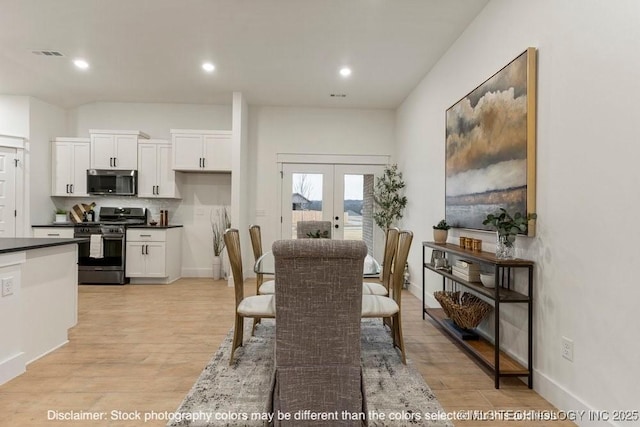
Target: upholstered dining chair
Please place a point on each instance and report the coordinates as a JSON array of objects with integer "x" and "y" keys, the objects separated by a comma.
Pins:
[
  {"x": 318, "y": 307},
  {"x": 307, "y": 229},
  {"x": 390, "y": 247},
  {"x": 256, "y": 306},
  {"x": 262, "y": 287},
  {"x": 374, "y": 306}
]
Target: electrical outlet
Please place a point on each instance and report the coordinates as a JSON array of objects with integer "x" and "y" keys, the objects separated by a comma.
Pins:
[
  {"x": 7, "y": 286},
  {"x": 567, "y": 349}
]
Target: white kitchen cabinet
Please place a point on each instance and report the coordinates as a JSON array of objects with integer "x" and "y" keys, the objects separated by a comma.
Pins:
[
  {"x": 115, "y": 149},
  {"x": 53, "y": 232},
  {"x": 153, "y": 255},
  {"x": 156, "y": 177},
  {"x": 201, "y": 150},
  {"x": 70, "y": 161}
]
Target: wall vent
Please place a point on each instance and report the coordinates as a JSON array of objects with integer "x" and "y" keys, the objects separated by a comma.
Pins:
[
  {"x": 47, "y": 52},
  {"x": 338, "y": 95}
]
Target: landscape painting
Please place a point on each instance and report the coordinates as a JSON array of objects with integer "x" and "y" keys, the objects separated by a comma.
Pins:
[{"x": 490, "y": 147}]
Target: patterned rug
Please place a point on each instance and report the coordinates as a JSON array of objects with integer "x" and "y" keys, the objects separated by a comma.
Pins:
[{"x": 237, "y": 395}]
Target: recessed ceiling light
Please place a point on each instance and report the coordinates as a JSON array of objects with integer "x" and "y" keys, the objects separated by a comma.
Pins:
[
  {"x": 345, "y": 71},
  {"x": 208, "y": 67},
  {"x": 81, "y": 63}
]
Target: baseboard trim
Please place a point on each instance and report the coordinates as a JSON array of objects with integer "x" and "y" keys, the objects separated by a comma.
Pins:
[
  {"x": 12, "y": 367},
  {"x": 574, "y": 407},
  {"x": 51, "y": 350}
]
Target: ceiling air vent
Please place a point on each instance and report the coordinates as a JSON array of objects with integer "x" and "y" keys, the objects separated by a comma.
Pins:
[
  {"x": 338, "y": 95},
  {"x": 47, "y": 52}
]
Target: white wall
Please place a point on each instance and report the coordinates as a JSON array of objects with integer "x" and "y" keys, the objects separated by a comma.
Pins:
[
  {"x": 14, "y": 115},
  {"x": 201, "y": 192},
  {"x": 587, "y": 155},
  {"x": 299, "y": 130},
  {"x": 46, "y": 122}
]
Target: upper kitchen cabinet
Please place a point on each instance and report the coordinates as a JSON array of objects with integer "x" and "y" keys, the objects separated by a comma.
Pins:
[
  {"x": 201, "y": 150},
  {"x": 115, "y": 149},
  {"x": 70, "y": 161},
  {"x": 156, "y": 177}
]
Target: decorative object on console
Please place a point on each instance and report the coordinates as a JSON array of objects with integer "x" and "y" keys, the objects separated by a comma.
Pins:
[
  {"x": 466, "y": 310},
  {"x": 219, "y": 223},
  {"x": 508, "y": 227},
  {"x": 441, "y": 232},
  {"x": 490, "y": 146},
  {"x": 488, "y": 280},
  {"x": 389, "y": 202}
]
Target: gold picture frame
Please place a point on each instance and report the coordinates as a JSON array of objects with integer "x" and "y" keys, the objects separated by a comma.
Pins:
[{"x": 490, "y": 147}]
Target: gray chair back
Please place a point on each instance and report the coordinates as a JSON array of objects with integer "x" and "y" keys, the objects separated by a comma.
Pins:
[{"x": 318, "y": 309}]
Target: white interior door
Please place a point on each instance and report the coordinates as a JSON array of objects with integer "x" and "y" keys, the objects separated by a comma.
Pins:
[
  {"x": 342, "y": 194},
  {"x": 7, "y": 192}
]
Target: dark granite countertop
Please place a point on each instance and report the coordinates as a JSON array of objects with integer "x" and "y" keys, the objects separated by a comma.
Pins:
[
  {"x": 54, "y": 224},
  {"x": 26, "y": 243}
]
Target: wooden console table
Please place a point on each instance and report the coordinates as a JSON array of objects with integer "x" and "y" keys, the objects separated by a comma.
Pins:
[{"x": 489, "y": 355}]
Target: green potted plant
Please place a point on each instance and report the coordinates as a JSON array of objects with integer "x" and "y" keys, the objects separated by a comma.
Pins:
[
  {"x": 507, "y": 228},
  {"x": 61, "y": 215},
  {"x": 388, "y": 199},
  {"x": 441, "y": 232}
]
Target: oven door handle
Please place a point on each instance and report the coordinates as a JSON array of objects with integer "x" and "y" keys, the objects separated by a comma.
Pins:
[{"x": 113, "y": 238}]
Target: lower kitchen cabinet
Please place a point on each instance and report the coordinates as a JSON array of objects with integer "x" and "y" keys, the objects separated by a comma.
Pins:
[
  {"x": 54, "y": 232},
  {"x": 153, "y": 255}
]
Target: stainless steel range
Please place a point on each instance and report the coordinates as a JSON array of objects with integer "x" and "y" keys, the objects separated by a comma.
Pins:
[{"x": 104, "y": 263}]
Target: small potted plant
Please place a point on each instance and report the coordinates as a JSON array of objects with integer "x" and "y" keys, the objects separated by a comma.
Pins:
[
  {"x": 441, "y": 232},
  {"x": 507, "y": 228},
  {"x": 61, "y": 215}
]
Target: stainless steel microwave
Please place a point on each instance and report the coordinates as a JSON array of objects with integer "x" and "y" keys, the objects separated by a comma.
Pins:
[{"x": 112, "y": 182}]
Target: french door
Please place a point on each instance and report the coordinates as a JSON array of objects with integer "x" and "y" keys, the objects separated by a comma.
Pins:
[{"x": 342, "y": 194}]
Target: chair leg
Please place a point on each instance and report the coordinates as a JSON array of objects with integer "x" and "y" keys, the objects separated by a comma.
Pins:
[
  {"x": 398, "y": 340},
  {"x": 238, "y": 330},
  {"x": 256, "y": 320}
]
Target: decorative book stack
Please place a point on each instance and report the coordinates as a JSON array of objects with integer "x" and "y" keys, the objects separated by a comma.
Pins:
[{"x": 466, "y": 271}]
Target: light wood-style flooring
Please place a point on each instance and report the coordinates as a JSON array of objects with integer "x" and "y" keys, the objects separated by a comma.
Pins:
[{"x": 141, "y": 348}]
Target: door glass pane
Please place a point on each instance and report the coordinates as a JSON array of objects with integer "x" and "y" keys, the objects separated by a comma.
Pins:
[{"x": 306, "y": 199}]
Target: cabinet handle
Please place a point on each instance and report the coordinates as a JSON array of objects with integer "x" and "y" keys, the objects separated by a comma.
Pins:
[
  {"x": 155, "y": 189},
  {"x": 67, "y": 188},
  {"x": 53, "y": 234},
  {"x": 203, "y": 162},
  {"x": 71, "y": 187},
  {"x": 145, "y": 235},
  {"x": 142, "y": 249},
  {"x": 115, "y": 162},
  {"x": 146, "y": 250},
  {"x": 110, "y": 162}
]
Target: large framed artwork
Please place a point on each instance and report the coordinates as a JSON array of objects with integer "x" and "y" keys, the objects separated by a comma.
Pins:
[{"x": 491, "y": 147}]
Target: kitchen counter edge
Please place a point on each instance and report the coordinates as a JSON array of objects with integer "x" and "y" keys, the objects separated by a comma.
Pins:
[
  {"x": 18, "y": 244},
  {"x": 162, "y": 227}
]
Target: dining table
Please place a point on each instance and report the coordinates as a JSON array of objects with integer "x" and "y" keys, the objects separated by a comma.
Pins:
[{"x": 266, "y": 265}]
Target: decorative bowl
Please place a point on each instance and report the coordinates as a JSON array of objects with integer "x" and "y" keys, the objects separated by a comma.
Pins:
[
  {"x": 153, "y": 222},
  {"x": 488, "y": 280}
]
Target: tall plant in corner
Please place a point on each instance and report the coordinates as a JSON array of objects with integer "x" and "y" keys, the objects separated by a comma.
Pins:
[
  {"x": 219, "y": 223},
  {"x": 388, "y": 198}
]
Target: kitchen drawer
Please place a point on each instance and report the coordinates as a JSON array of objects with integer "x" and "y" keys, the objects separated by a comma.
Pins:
[
  {"x": 54, "y": 232},
  {"x": 146, "y": 235}
]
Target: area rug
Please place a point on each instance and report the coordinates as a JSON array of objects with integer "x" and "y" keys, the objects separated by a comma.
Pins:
[{"x": 237, "y": 395}]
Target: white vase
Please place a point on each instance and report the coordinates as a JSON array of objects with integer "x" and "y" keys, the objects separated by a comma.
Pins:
[{"x": 217, "y": 267}]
